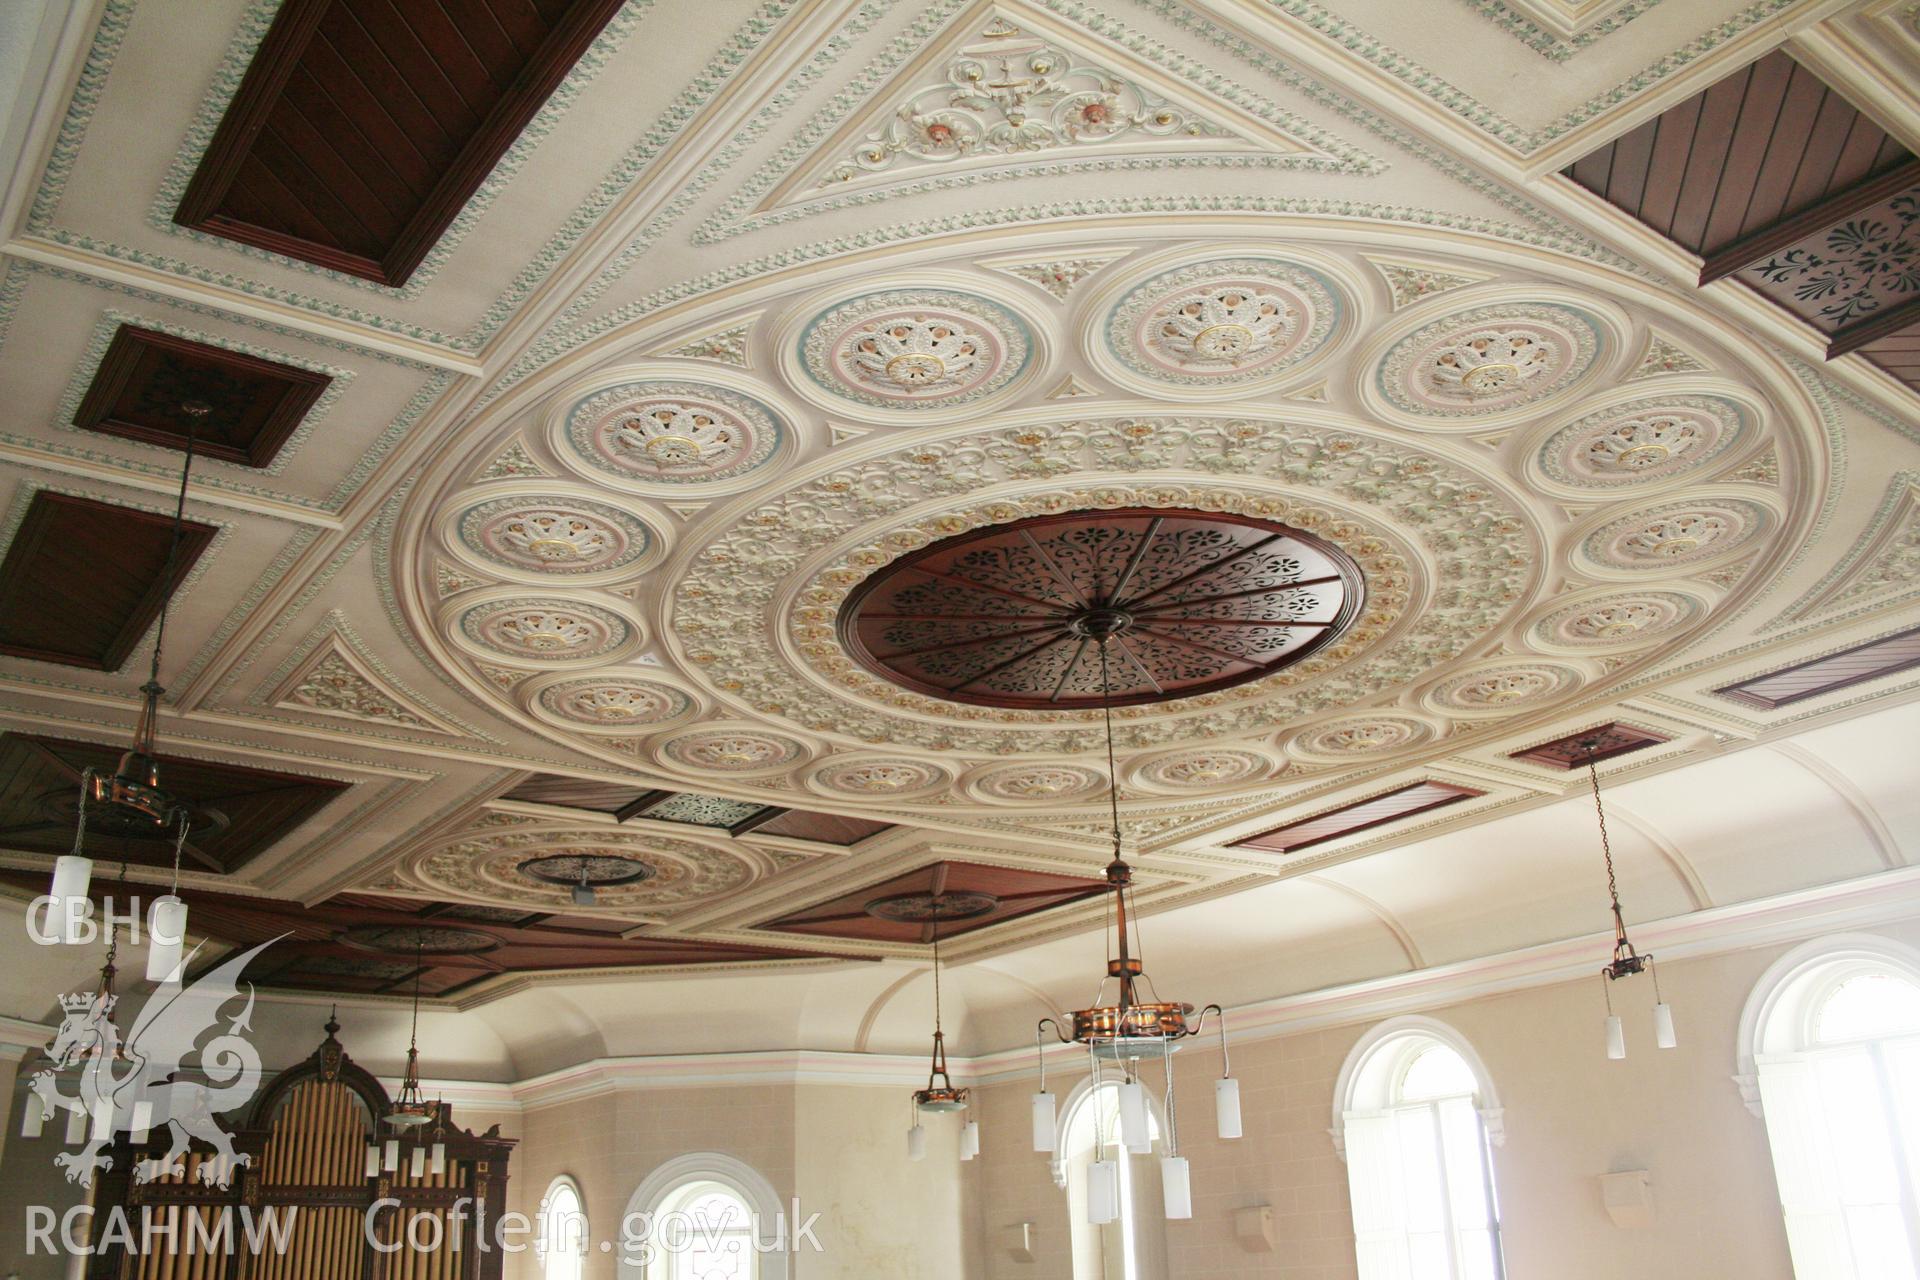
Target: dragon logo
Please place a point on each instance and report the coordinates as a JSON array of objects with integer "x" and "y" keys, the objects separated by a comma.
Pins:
[{"x": 129, "y": 1087}]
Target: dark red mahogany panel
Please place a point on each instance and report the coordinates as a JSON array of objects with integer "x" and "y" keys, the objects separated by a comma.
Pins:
[{"x": 1012, "y": 615}]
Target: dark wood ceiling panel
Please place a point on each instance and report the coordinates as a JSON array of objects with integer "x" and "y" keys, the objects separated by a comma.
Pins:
[
  {"x": 82, "y": 580},
  {"x": 1602, "y": 742},
  {"x": 1836, "y": 671},
  {"x": 1019, "y": 893},
  {"x": 243, "y": 811},
  {"x": 825, "y": 828},
  {"x": 1758, "y": 147},
  {"x": 360, "y": 943},
  {"x": 146, "y": 378},
  {"x": 689, "y": 808},
  {"x": 579, "y": 793},
  {"x": 1361, "y": 815},
  {"x": 363, "y": 126}
]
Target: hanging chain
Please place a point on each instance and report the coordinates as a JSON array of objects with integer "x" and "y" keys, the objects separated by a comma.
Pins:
[
  {"x": 179, "y": 846},
  {"x": 936, "y": 966},
  {"x": 1606, "y": 848},
  {"x": 194, "y": 411},
  {"x": 1113, "y": 774},
  {"x": 80, "y": 827}
]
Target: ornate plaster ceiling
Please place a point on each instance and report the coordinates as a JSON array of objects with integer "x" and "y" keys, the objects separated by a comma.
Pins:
[{"x": 752, "y": 314}]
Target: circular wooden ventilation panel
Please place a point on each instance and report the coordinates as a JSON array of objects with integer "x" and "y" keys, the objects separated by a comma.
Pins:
[{"x": 1012, "y": 615}]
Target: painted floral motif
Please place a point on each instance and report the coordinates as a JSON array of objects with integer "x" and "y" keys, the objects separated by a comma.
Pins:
[
  {"x": 334, "y": 686},
  {"x": 1850, "y": 272},
  {"x": 1677, "y": 534},
  {"x": 538, "y": 630},
  {"x": 614, "y": 703},
  {"x": 728, "y": 346},
  {"x": 1499, "y": 688},
  {"x": 1222, "y": 322},
  {"x": 734, "y": 752},
  {"x": 915, "y": 346},
  {"x": 1057, "y": 277},
  {"x": 1618, "y": 620},
  {"x": 1489, "y": 359},
  {"x": 1013, "y": 95},
  {"x": 1663, "y": 357},
  {"x": 553, "y": 535},
  {"x": 696, "y": 810},
  {"x": 880, "y": 777},
  {"x": 1642, "y": 441},
  {"x": 513, "y": 463},
  {"x": 672, "y": 433},
  {"x": 1409, "y": 283},
  {"x": 1205, "y": 770},
  {"x": 1345, "y": 739},
  {"x": 1033, "y": 784},
  {"x": 448, "y": 581}
]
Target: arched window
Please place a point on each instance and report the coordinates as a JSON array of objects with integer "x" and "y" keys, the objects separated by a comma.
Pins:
[
  {"x": 1831, "y": 1048},
  {"x": 562, "y": 1241},
  {"x": 704, "y": 1216},
  {"x": 1415, "y": 1116},
  {"x": 1132, "y": 1245}
]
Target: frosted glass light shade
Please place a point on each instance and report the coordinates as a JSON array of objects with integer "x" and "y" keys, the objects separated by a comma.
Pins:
[
  {"x": 437, "y": 1161},
  {"x": 1175, "y": 1187},
  {"x": 103, "y": 1120},
  {"x": 142, "y": 1121},
  {"x": 970, "y": 1140},
  {"x": 917, "y": 1143},
  {"x": 1134, "y": 1134},
  {"x": 1103, "y": 1192},
  {"x": 1663, "y": 1036},
  {"x": 1616, "y": 1037},
  {"x": 76, "y": 1125},
  {"x": 1043, "y": 1122},
  {"x": 166, "y": 930},
  {"x": 1226, "y": 1107},
  {"x": 71, "y": 876},
  {"x": 417, "y": 1163},
  {"x": 34, "y": 1118},
  {"x": 373, "y": 1160},
  {"x": 390, "y": 1155}
]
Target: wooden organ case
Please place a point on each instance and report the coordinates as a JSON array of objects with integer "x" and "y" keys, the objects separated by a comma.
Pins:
[{"x": 308, "y": 1135}]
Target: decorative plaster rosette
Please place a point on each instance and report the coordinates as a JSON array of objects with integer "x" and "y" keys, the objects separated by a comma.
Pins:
[
  {"x": 1200, "y": 769},
  {"x": 795, "y": 559},
  {"x": 1038, "y": 783},
  {"x": 905, "y": 348},
  {"x": 1501, "y": 687},
  {"x": 685, "y": 872},
  {"x": 552, "y": 534},
  {"x": 671, "y": 436},
  {"x": 1488, "y": 360},
  {"x": 744, "y": 749},
  {"x": 1688, "y": 532},
  {"x": 1642, "y": 441},
  {"x": 1353, "y": 737},
  {"x": 1222, "y": 322},
  {"x": 877, "y": 777},
  {"x": 611, "y": 702},
  {"x": 543, "y": 631},
  {"x": 1618, "y": 621}
]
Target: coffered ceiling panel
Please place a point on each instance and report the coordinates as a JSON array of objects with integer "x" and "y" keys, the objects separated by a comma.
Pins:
[
  {"x": 363, "y": 126},
  {"x": 239, "y": 812},
  {"x": 149, "y": 385},
  {"x": 991, "y": 894},
  {"x": 83, "y": 580}
]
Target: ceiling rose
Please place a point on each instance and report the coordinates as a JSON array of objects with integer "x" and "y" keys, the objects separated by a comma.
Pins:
[
  {"x": 1642, "y": 441},
  {"x": 670, "y": 436},
  {"x": 910, "y": 347},
  {"x": 1222, "y": 322},
  {"x": 1489, "y": 359},
  {"x": 1011, "y": 615}
]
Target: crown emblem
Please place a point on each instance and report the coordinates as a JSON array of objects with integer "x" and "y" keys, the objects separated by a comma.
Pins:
[{"x": 82, "y": 1002}]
